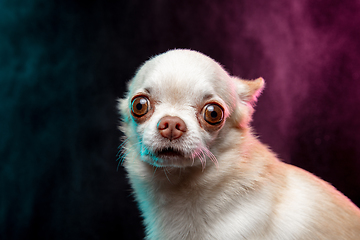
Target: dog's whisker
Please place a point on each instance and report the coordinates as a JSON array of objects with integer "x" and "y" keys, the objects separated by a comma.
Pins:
[
  {"x": 202, "y": 158},
  {"x": 196, "y": 154},
  {"x": 211, "y": 156},
  {"x": 124, "y": 151},
  {"x": 202, "y": 153},
  {"x": 193, "y": 156},
  {"x": 154, "y": 173},
  {"x": 123, "y": 143},
  {"x": 122, "y": 158},
  {"x": 165, "y": 171},
  {"x": 121, "y": 148},
  {"x": 193, "y": 159}
]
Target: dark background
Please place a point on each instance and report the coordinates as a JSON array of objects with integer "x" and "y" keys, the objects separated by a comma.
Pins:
[{"x": 64, "y": 63}]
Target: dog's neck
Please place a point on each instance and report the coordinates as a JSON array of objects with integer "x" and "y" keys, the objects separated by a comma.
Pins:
[
  {"x": 174, "y": 180},
  {"x": 166, "y": 195}
]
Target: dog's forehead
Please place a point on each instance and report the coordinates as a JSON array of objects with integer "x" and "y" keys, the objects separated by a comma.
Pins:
[
  {"x": 179, "y": 84},
  {"x": 181, "y": 76}
]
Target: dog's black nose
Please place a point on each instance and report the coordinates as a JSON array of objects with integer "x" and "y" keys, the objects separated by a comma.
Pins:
[{"x": 171, "y": 127}]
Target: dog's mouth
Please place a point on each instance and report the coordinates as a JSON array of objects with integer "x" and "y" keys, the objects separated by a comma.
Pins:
[{"x": 169, "y": 152}]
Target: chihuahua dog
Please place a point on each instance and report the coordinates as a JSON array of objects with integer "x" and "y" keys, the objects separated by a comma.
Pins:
[{"x": 197, "y": 170}]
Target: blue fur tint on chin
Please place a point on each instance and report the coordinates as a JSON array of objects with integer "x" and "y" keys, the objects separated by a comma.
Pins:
[{"x": 146, "y": 153}]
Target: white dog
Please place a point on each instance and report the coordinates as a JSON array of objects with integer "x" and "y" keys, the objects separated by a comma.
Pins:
[{"x": 199, "y": 173}]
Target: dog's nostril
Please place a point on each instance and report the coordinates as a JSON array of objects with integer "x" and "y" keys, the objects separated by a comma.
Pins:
[{"x": 162, "y": 125}]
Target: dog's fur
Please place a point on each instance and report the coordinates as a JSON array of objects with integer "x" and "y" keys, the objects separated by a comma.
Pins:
[{"x": 219, "y": 182}]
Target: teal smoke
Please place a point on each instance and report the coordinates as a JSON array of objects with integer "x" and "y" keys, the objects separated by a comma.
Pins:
[
  {"x": 50, "y": 123},
  {"x": 38, "y": 107}
]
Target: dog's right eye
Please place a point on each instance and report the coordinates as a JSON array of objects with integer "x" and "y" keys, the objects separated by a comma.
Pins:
[{"x": 140, "y": 106}]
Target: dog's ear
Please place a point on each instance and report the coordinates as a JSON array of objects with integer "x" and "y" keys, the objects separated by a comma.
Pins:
[{"x": 249, "y": 90}]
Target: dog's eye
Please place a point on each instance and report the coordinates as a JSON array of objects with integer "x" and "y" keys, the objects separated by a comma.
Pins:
[
  {"x": 213, "y": 114},
  {"x": 140, "y": 106}
]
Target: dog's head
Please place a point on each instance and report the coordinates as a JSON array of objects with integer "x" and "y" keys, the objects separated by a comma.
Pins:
[{"x": 179, "y": 104}]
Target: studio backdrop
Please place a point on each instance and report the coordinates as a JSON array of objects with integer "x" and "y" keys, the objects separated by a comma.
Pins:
[{"x": 64, "y": 64}]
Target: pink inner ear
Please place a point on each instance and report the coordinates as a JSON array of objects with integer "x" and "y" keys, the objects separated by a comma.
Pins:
[
  {"x": 249, "y": 90},
  {"x": 256, "y": 87}
]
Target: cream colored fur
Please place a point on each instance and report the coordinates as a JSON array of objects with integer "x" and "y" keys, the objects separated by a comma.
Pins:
[{"x": 228, "y": 185}]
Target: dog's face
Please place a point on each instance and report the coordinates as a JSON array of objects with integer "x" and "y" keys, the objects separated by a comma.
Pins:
[{"x": 178, "y": 103}]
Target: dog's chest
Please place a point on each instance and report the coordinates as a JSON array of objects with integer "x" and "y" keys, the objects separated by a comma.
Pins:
[{"x": 200, "y": 215}]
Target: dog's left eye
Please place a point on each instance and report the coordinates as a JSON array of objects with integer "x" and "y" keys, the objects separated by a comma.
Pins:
[
  {"x": 213, "y": 114},
  {"x": 140, "y": 106}
]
